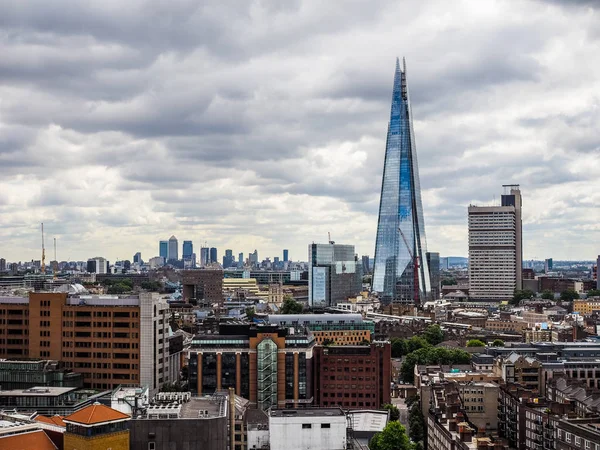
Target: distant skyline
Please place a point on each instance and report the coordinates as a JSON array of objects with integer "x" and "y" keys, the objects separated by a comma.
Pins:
[{"x": 261, "y": 124}]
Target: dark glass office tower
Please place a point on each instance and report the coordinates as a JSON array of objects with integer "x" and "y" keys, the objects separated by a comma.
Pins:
[{"x": 400, "y": 272}]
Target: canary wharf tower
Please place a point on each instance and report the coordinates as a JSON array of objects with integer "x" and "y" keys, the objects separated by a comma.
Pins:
[{"x": 400, "y": 273}]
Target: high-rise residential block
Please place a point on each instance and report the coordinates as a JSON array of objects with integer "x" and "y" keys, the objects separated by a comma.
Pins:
[
  {"x": 173, "y": 249},
  {"x": 495, "y": 248},
  {"x": 2, "y": 265},
  {"x": 400, "y": 272},
  {"x": 110, "y": 340},
  {"x": 163, "y": 250},
  {"x": 548, "y": 265},
  {"x": 334, "y": 274},
  {"x": 213, "y": 255},
  {"x": 286, "y": 255}
]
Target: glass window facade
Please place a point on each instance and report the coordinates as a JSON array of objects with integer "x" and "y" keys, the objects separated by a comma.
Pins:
[
  {"x": 400, "y": 208},
  {"x": 267, "y": 374}
]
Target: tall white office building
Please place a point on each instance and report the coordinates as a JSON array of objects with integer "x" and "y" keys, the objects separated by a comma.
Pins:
[{"x": 496, "y": 248}]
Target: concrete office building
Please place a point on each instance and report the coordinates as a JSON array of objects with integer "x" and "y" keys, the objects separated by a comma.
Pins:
[
  {"x": 190, "y": 423},
  {"x": 334, "y": 274},
  {"x": 110, "y": 340},
  {"x": 311, "y": 428},
  {"x": 495, "y": 248},
  {"x": 97, "y": 265}
]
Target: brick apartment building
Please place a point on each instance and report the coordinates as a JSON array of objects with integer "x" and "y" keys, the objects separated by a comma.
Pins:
[
  {"x": 352, "y": 376},
  {"x": 110, "y": 340}
]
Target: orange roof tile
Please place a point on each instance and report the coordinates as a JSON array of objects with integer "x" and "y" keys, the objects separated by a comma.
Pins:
[
  {"x": 54, "y": 420},
  {"x": 36, "y": 440},
  {"x": 96, "y": 413}
]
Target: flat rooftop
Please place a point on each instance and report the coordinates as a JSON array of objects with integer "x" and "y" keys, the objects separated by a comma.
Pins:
[
  {"x": 204, "y": 408},
  {"x": 38, "y": 391},
  {"x": 307, "y": 412}
]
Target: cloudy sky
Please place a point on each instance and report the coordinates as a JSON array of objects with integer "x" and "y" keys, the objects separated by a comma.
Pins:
[{"x": 261, "y": 124}]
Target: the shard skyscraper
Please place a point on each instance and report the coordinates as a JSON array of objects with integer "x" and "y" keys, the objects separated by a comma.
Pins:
[{"x": 400, "y": 273}]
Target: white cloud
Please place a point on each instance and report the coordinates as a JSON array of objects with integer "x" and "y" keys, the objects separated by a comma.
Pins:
[{"x": 263, "y": 125}]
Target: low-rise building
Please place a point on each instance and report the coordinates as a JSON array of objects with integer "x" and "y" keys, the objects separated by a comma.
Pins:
[
  {"x": 96, "y": 427},
  {"x": 183, "y": 421},
  {"x": 24, "y": 374},
  {"x": 337, "y": 329},
  {"x": 49, "y": 400},
  {"x": 523, "y": 370},
  {"x": 586, "y": 307},
  {"x": 308, "y": 428},
  {"x": 352, "y": 376}
]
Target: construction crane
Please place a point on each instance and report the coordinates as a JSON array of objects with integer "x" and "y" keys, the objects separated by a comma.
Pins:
[
  {"x": 43, "y": 252},
  {"x": 415, "y": 269},
  {"x": 55, "y": 265}
]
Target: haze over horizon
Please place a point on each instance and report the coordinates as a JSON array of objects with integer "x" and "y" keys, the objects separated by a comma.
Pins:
[{"x": 262, "y": 125}]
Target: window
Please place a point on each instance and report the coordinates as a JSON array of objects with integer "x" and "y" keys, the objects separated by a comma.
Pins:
[
  {"x": 325, "y": 425},
  {"x": 568, "y": 437},
  {"x": 306, "y": 426},
  {"x": 151, "y": 445}
]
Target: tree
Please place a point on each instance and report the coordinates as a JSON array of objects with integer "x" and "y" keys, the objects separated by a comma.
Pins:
[
  {"x": 593, "y": 293},
  {"x": 475, "y": 343},
  {"x": 250, "y": 313},
  {"x": 399, "y": 347},
  {"x": 547, "y": 294},
  {"x": 448, "y": 282},
  {"x": 291, "y": 306},
  {"x": 433, "y": 334},
  {"x": 498, "y": 343},
  {"x": 393, "y": 437},
  {"x": 394, "y": 411},
  {"x": 153, "y": 286},
  {"x": 327, "y": 342},
  {"x": 521, "y": 295},
  {"x": 431, "y": 355},
  {"x": 569, "y": 295},
  {"x": 416, "y": 423}
]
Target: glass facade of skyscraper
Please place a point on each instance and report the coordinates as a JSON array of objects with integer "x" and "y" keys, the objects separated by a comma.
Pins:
[
  {"x": 400, "y": 272},
  {"x": 188, "y": 250},
  {"x": 163, "y": 249}
]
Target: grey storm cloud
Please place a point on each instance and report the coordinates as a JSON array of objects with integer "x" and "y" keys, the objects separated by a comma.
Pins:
[{"x": 262, "y": 124}]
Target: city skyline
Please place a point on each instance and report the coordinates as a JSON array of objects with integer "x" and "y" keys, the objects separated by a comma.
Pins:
[{"x": 295, "y": 150}]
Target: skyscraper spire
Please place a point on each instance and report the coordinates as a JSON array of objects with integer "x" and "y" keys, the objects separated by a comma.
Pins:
[{"x": 400, "y": 271}]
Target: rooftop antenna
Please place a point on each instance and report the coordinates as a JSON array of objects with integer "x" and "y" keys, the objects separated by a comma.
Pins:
[{"x": 43, "y": 252}]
